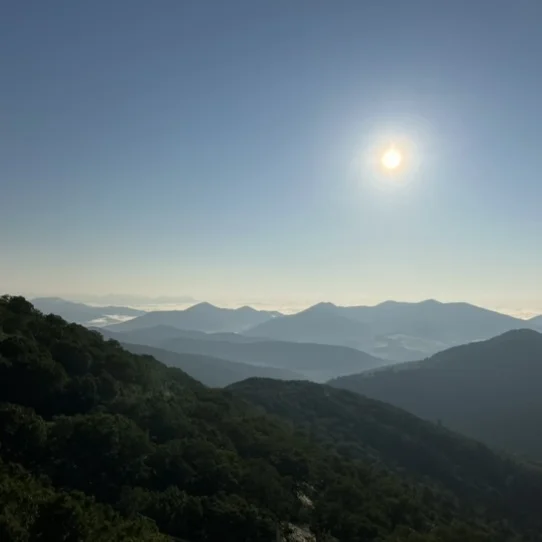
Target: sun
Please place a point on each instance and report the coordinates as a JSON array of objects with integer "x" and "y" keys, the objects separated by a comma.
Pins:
[{"x": 391, "y": 159}]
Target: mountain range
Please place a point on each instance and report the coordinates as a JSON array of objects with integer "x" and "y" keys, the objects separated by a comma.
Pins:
[
  {"x": 136, "y": 300},
  {"x": 213, "y": 372},
  {"x": 317, "y": 362},
  {"x": 393, "y": 331},
  {"x": 489, "y": 390},
  {"x": 81, "y": 313},
  {"x": 323, "y": 323},
  {"x": 201, "y": 317},
  {"x": 101, "y": 444}
]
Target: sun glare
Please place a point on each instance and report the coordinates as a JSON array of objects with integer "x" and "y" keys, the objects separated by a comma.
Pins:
[{"x": 391, "y": 159}]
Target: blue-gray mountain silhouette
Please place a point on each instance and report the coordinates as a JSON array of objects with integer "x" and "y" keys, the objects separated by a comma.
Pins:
[
  {"x": 489, "y": 390},
  {"x": 391, "y": 330},
  {"x": 318, "y": 362},
  {"x": 536, "y": 322},
  {"x": 81, "y": 313},
  {"x": 213, "y": 372},
  {"x": 201, "y": 317}
]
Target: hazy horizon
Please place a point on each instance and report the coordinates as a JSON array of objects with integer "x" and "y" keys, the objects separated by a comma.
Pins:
[
  {"x": 233, "y": 150},
  {"x": 184, "y": 302}
]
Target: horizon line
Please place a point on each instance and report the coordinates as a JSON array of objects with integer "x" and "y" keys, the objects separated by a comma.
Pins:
[{"x": 159, "y": 303}]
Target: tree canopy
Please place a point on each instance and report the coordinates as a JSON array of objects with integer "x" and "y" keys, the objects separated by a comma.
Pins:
[{"x": 97, "y": 443}]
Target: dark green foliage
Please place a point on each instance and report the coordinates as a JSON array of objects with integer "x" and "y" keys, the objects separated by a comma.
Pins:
[
  {"x": 72, "y": 357},
  {"x": 23, "y": 434},
  {"x": 31, "y": 510},
  {"x": 101, "y": 444},
  {"x": 448, "y": 465}
]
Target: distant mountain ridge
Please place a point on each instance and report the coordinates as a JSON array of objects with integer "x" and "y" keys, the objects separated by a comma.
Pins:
[
  {"x": 318, "y": 362},
  {"x": 323, "y": 323},
  {"x": 488, "y": 390},
  {"x": 154, "y": 450},
  {"x": 536, "y": 322},
  {"x": 201, "y": 317},
  {"x": 81, "y": 313},
  {"x": 392, "y": 330},
  {"x": 135, "y": 300},
  {"x": 213, "y": 372}
]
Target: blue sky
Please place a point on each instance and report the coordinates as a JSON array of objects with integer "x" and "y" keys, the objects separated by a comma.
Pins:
[{"x": 220, "y": 149}]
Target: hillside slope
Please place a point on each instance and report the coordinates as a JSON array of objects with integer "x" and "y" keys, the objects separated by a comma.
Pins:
[
  {"x": 318, "y": 362},
  {"x": 213, "y": 372},
  {"x": 536, "y": 322},
  {"x": 361, "y": 428},
  {"x": 489, "y": 390},
  {"x": 157, "y": 335},
  {"x": 151, "y": 443}
]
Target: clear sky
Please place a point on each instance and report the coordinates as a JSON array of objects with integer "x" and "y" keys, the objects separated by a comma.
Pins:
[{"x": 220, "y": 149}]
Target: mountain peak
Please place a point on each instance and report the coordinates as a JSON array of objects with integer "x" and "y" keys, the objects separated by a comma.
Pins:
[
  {"x": 203, "y": 306},
  {"x": 246, "y": 308},
  {"x": 517, "y": 335},
  {"x": 424, "y": 302},
  {"x": 323, "y": 306},
  {"x": 431, "y": 302}
]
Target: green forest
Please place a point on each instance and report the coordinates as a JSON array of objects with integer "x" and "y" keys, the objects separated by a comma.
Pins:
[{"x": 98, "y": 444}]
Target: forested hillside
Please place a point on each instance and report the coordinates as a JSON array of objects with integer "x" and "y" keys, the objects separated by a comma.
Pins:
[
  {"x": 361, "y": 428},
  {"x": 489, "y": 390},
  {"x": 101, "y": 444}
]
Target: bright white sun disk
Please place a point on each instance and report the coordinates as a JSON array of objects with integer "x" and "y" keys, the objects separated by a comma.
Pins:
[{"x": 391, "y": 159}]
